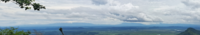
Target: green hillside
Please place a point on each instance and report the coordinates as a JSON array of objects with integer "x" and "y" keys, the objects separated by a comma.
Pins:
[{"x": 190, "y": 31}]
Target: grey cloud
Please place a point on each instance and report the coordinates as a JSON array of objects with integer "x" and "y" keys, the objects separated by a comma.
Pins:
[
  {"x": 191, "y": 4},
  {"x": 96, "y": 14},
  {"x": 99, "y": 2},
  {"x": 191, "y": 17},
  {"x": 142, "y": 20},
  {"x": 124, "y": 17}
]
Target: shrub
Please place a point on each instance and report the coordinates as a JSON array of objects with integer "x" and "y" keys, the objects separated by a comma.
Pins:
[{"x": 13, "y": 31}]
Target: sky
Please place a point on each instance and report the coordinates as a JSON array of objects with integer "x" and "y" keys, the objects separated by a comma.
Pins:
[{"x": 103, "y": 12}]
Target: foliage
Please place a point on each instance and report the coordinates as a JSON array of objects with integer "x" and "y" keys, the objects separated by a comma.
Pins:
[
  {"x": 26, "y": 3},
  {"x": 13, "y": 31},
  {"x": 190, "y": 31}
]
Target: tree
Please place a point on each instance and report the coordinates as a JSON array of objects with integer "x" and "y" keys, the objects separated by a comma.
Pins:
[
  {"x": 22, "y": 4},
  {"x": 190, "y": 31},
  {"x": 26, "y": 4},
  {"x": 61, "y": 31},
  {"x": 13, "y": 31}
]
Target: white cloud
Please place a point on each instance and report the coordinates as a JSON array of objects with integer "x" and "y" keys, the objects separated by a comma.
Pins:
[{"x": 110, "y": 12}]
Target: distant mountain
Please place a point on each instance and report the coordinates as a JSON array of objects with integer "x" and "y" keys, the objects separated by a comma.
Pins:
[{"x": 190, "y": 31}]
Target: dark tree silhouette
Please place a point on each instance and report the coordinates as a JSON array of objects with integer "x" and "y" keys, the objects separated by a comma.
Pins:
[
  {"x": 61, "y": 31},
  {"x": 26, "y": 4}
]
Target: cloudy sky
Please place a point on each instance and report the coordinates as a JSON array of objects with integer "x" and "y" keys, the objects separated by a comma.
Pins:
[{"x": 103, "y": 12}]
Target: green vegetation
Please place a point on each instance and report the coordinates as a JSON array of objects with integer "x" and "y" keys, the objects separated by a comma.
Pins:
[
  {"x": 26, "y": 4},
  {"x": 113, "y": 32},
  {"x": 13, "y": 31},
  {"x": 190, "y": 31},
  {"x": 138, "y": 32}
]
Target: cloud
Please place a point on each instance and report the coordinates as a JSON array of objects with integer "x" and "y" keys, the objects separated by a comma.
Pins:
[
  {"x": 100, "y": 16},
  {"x": 110, "y": 12},
  {"x": 99, "y": 2},
  {"x": 141, "y": 17},
  {"x": 192, "y": 3}
]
